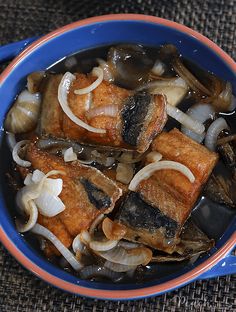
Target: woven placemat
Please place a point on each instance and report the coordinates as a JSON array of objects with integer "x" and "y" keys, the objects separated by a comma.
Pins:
[{"x": 19, "y": 289}]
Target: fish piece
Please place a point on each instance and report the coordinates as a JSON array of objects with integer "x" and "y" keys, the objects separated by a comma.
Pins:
[
  {"x": 193, "y": 242},
  {"x": 146, "y": 223},
  {"x": 176, "y": 146},
  {"x": 143, "y": 117},
  {"x": 55, "y": 225},
  {"x": 155, "y": 213},
  {"x": 86, "y": 192},
  {"x": 140, "y": 116}
]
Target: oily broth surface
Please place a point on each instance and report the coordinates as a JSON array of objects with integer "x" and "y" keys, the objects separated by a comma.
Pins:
[{"x": 212, "y": 218}]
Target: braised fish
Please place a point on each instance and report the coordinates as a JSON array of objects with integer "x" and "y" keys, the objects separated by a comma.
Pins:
[
  {"x": 155, "y": 213},
  {"x": 139, "y": 117},
  {"x": 86, "y": 194}
]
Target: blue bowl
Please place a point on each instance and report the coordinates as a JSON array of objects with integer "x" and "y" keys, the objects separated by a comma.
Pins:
[{"x": 86, "y": 34}]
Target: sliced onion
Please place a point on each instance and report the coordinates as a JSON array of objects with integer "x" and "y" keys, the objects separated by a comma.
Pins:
[
  {"x": 102, "y": 245},
  {"x": 85, "y": 237},
  {"x": 124, "y": 173},
  {"x": 200, "y": 112},
  {"x": 127, "y": 158},
  {"x": 32, "y": 212},
  {"x": 153, "y": 156},
  {"x": 52, "y": 186},
  {"x": 95, "y": 223},
  {"x": 11, "y": 140},
  {"x": 128, "y": 245},
  {"x": 77, "y": 244},
  {"x": 213, "y": 131},
  {"x": 37, "y": 176},
  {"x": 135, "y": 256},
  {"x": 63, "y": 90},
  {"x": 107, "y": 75},
  {"x": 105, "y": 110},
  {"x": 33, "y": 191},
  {"x": 173, "y": 88},
  {"x": 148, "y": 170},
  {"x": 89, "y": 100},
  {"x": 158, "y": 68},
  {"x": 42, "y": 231},
  {"x": 98, "y": 72},
  {"x": 98, "y": 271},
  {"x": 69, "y": 155},
  {"x": 185, "y": 120},
  {"x": 113, "y": 230},
  {"x": 28, "y": 179},
  {"x": 190, "y": 79},
  {"x": 49, "y": 205},
  {"x": 116, "y": 267},
  {"x": 15, "y": 154}
]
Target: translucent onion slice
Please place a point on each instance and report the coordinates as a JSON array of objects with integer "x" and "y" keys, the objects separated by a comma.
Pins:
[
  {"x": 49, "y": 205},
  {"x": 98, "y": 72},
  {"x": 85, "y": 237},
  {"x": 77, "y": 244},
  {"x": 53, "y": 186},
  {"x": 102, "y": 245},
  {"x": 32, "y": 212},
  {"x": 128, "y": 245},
  {"x": 148, "y": 170},
  {"x": 135, "y": 256},
  {"x": 63, "y": 90},
  {"x": 113, "y": 230},
  {"x": 158, "y": 68},
  {"x": 124, "y": 173},
  {"x": 69, "y": 155},
  {"x": 98, "y": 271},
  {"x": 15, "y": 154},
  {"x": 88, "y": 101},
  {"x": 105, "y": 110},
  {"x": 42, "y": 231},
  {"x": 213, "y": 131},
  {"x": 200, "y": 112},
  {"x": 116, "y": 267},
  {"x": 107, "y": 75},
  {"x": 95, "y": 223},
  {"x": 185, "y": 120},
  {"x": 153, "y": 156}
]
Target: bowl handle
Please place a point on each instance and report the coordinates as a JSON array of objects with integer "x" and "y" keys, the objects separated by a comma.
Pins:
[
  {"x": 11, "y": 50},
  {"x": 225, "y": 266}
]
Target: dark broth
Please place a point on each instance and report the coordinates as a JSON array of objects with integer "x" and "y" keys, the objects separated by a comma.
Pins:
[{"x": 212, "y": 218}]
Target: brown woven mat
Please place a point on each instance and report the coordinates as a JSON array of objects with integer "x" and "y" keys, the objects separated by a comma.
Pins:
[{"x": 19, "y": 289}]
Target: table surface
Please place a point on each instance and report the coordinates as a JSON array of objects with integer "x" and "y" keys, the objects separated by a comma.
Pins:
[{"x": 216, "y": 19}]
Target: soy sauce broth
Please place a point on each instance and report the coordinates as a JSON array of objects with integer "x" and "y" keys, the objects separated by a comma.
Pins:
[{"x": 212, "y": 218}]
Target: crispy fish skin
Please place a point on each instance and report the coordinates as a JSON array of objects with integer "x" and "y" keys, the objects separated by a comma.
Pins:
[
  {"x": 168, "y": 191},
  {"x": 51, "y": 114},
  {"x": 146, "y": 223},
  {"x": 143, "y": 117},
  {"x": 148, "y": 124},
  {"x": 83, "y": 203}
]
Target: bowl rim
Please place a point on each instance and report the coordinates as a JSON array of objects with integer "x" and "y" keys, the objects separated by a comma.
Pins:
[{"x": 140, "y": 292}]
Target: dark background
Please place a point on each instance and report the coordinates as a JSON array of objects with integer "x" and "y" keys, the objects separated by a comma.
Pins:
[{"x": 19, "y": 289}]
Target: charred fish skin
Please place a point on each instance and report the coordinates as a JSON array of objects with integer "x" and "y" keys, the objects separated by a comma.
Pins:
[
  {"x": 133, "y": 115},
  {"x": 96, "y": 196},
  {"x": 137, "y": 213}
]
